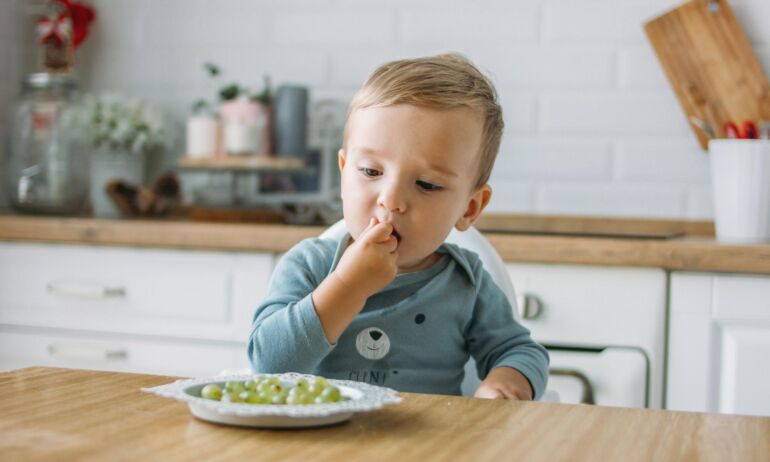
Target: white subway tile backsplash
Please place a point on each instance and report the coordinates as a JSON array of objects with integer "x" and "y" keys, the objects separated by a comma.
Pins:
[
  {"x": 639, "y": 68},
  {"x": 608, "y": 21},
  {"x": 553, "y": 158},
  {"x": 248, "y": 29},
  {"x": 700, "y": 202},
  {"x": 551, "y": 67},
  {"x": 664, "y": 159},
  {"x": 119, "y": 24},
  {"x": 605, "y": 199},
  {"x": 9, "y": 18},
  {"x": 291, "y": 65},
  {"x": 610, "y": 113},
  {"x": 451, "y": 24},
  {"x": 343, "y": 27},
  {"x": 172, "y": 29},
  {"x": 510, "y": 196},
  {"x": 752, "y": 16},
  {"x": 351, "y": 68},
  {"x": 592, "y": 125},
  {"x": 519, "y": 110}
]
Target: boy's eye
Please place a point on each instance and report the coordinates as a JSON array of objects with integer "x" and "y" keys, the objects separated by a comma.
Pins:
[
  {"x": 428, "y": 186},
  {"x": 370, "y": 172}
]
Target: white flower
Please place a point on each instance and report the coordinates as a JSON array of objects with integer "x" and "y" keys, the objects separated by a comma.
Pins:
[{"x": 117, "y": 121}]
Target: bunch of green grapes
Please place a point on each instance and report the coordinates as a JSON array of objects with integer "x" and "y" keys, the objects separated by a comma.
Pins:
[{"x": 269, "y": 390}]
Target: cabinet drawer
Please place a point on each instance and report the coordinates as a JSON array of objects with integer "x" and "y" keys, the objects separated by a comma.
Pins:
[
  {"x": 147, "y": 291},
  {"x": 611, "y": 377},
  {"x": 117, "y": 353},
  {"x": 587, "y": 305}
]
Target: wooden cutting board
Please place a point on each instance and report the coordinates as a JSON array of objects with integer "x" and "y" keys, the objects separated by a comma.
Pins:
[{"x": 710, "y": 63}]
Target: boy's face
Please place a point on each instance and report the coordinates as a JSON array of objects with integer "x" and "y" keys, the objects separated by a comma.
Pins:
[{"x": 415, "y": 168}]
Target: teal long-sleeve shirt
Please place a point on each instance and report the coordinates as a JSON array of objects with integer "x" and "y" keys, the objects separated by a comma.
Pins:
[{"x": 415, "y": 335}]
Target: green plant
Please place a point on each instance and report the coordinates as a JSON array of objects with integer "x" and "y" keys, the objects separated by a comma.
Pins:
[{"x": 232, "y": 90}]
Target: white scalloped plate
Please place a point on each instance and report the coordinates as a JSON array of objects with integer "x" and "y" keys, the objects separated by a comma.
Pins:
[{"x": 363, "y": 397}]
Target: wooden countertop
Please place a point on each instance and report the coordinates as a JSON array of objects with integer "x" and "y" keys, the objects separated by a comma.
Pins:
[
  {"x": 68, "y": 414},
  {"x": 668, "y": 244}
]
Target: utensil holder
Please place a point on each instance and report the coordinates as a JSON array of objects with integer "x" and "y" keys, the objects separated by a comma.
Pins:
[{"x": 740, "y": 178}]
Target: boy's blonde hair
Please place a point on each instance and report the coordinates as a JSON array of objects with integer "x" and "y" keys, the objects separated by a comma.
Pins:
[{"x": 445, "y": 81}]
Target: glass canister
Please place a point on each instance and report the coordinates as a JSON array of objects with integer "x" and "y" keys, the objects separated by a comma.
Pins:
[{"x": 48, "y": 166}]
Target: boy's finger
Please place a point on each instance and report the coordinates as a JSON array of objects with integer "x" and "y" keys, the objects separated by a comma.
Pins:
[
  {"x": 390, "y": 243},
  {"x": 488, "y": 393},
  {"x": 379, "y": 233}
]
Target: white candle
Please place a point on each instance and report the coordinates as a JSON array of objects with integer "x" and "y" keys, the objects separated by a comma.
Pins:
[{"x": 202, "y": 136}]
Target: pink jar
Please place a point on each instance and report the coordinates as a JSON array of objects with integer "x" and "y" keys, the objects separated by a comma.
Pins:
[{"x": 246, "y": 127}]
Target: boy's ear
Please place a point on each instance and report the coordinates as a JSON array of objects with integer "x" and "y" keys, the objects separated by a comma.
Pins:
[
  {"x": 476, "y": 204},
  {"x": 341, "y": 158}
]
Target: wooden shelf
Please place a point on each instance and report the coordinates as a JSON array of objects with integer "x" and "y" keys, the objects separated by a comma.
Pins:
[{"x": 243, "y": 163}]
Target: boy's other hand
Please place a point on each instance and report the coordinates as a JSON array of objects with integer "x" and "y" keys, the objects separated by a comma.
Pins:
[
  {"x": 505, "y": 383},
  {"x": 369, "y": 264}
]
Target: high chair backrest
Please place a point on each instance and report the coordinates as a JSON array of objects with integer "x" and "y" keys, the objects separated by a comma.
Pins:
[{"x": 472, "y": 240}]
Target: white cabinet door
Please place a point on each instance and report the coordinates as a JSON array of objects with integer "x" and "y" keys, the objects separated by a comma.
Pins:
[
  {"x": 163, "y": 292},
  {"x": 161, "y": 311},
  {"x": 719, "y": 343},
  {"x": 26, "y": 348},
  {"x": 603, "y": 308}
]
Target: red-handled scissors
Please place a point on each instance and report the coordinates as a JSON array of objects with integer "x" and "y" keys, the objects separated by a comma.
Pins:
[{"x": 748, "y": 131}]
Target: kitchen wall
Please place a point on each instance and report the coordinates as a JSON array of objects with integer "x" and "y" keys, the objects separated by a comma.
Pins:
[
  {"x": 11, "y": 62},
  {"x": 592, "y": 125}
]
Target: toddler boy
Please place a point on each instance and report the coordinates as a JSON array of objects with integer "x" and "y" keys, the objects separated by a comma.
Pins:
[{"x": 391, "y": 303}]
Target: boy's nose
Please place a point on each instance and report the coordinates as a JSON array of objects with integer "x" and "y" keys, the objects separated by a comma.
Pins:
[{"x": 392, "y": 200}]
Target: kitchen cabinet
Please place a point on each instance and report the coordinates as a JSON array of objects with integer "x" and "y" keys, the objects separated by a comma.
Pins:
[
  {"x": 719, "y": 343},
  {"x": 130, "y": 309},
  {"x": 604, "y": 327},
  {"x": 188, "y": 312}
]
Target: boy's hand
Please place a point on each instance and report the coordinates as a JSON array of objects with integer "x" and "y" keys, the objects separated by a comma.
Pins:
[
  {"x": 369, "y": 264},
  {"x": 505, "y": 383}
]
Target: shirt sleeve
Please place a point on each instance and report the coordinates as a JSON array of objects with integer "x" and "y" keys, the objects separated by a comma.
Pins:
[
  {"x": 286, "y": 334},
  {"x": 496, "y": 339}
]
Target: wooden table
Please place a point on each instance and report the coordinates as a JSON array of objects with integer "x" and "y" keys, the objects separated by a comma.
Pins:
[{"x": 66, "y": 414}]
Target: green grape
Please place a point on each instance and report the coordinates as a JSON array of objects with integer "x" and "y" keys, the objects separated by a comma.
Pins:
[
  {"x": 212, "y": 391},
  {"x": 267, "y": 389},
  {"x": 315, "y": 388},
  {"x": 250, "y": 396},
  {"x": 250, "y": 385},
  {"x": 322, "y": 400},
  {"x": 231, "y": 397},
  {"x": 331, "y": 394},
  {"x": 271, "y": 388},
  {"x": 294, "y": 399},
  {"x": 234, "y": 385},
  {"x": 280, "y": 398}
]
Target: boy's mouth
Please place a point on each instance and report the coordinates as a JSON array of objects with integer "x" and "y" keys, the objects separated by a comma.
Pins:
[{"x": 396, "y": 235}]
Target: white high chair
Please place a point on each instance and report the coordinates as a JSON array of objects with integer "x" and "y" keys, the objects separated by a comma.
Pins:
[{"x": 474, "y": 241}]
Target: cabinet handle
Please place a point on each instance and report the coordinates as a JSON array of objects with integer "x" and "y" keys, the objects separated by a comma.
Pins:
[
  {"x": 588, "y": 389},
  {"x": 82, "y": 352},
  {"x": 86, "y": 290},
  {"x": 530, "y": 306}
]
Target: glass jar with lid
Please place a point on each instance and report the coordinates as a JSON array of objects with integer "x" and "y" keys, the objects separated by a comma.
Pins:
[{"x": 48, "y": 166}]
